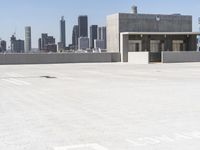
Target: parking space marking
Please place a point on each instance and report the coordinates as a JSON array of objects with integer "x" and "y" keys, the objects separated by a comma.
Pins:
[
  {"x": 74, "y": 147},
  {"x": 16, "y": 81}
]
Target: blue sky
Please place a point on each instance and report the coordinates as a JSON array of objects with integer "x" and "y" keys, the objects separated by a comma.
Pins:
[{"x": 44, "y": 15}]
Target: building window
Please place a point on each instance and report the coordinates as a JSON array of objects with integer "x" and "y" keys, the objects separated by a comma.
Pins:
[
  {"x": 155, "y": 46},
  {"x": 135, "y": 45},
  {"x": 178, "y": 45}
]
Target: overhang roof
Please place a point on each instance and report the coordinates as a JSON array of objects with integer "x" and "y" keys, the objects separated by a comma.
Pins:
[{"x": 160, "y": 33}]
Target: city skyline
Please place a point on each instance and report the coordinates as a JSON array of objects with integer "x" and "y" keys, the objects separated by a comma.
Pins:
[{"x": 48, "y": 21}]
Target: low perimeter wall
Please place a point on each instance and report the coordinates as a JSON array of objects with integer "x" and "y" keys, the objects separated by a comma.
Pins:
[
  {"x": 180, "y": 57},
  {"x": 138, "y": 57},
  {"x": 59, "y": 58}
]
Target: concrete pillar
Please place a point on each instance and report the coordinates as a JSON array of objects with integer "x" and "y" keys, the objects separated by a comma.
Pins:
[
  {"x": 168, "y": 43},
  {"x": 124, "y": 38},
  {"x": 145, "y": 43}
]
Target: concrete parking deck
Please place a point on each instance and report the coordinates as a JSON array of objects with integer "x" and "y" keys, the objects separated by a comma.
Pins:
[{"x": 100, "y": 107}]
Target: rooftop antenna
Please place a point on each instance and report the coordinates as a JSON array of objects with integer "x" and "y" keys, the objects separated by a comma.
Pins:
[{"x": 134, "y": 9}]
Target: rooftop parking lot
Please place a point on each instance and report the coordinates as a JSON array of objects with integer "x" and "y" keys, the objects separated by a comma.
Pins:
[{"x": 112, "y": 106}]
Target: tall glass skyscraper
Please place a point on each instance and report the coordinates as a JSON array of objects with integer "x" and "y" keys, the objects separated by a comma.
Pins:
[
  {"x": 62, "y": 32},
  {"x": 75, "y": 37},
  {"x": 27, "y": 39},
  {"x": 83, "y": 26},
  {"x": 93, "y": 35}
]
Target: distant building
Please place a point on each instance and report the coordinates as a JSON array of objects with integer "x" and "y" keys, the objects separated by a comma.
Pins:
[
  {"x": 75, "y": 35},
  {"x": 39, "y": 44},
  {"x": 61, "y": 47},
  {"x": 47, "y": 43},
  {"x": 62, "y": 32},
  {"x": 27, "y": 39},
  {"x": 83, "y": 43},
  {"x": 2, "y": 46},
  {"x": 17, "y": 46},
  {"x": 83, "y": 26},
  {"x": 101, "y": 35},
  {"x": 99, "y": 44},
  {"x": 93, "y": 35}
]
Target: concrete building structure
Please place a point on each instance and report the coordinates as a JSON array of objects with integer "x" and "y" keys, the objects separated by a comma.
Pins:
[
  {"x": 99, "y": 44},
  {"x": 75, "y": 34},
  {"x": 3, "y": 46},
  {"x": 101, "y": 36},
  {"x": 152, "y": 33},
  {"x": 62, "y": 32},
  {"x": 83, "y": 43},
  {"x": 93, "y": 35},
  {"x": 47, "y": 43},
  {"x": 17, "y": 46},
  {"x": 27, "y": 39},
  {"x": 83, "y": 26}
]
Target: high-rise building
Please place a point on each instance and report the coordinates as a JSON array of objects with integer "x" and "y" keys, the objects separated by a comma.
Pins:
[
  {"x": 27, "y": 39},
  {"x": 93, "y": 35},
  {"x": 75, "y": 35},
  {"x": 12, "y": 40},
  {"x": 47, "y": 43},
  {"x": 2, "y": 46},
  {"x": 39, "y": 44},
  {"x": 101, "y": 35},
  {"x": 83, "y": 26},
  {"x": 83, "y": 43},
  {"x": 62, "y": 32},
  {"x": 17, "y": 46}
]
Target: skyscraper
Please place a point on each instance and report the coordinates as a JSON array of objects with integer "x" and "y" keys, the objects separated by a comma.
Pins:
[
  {"x": 93, "y": 35},
  {"x": 47, "y": 43},
  {"x": 83, "y": 26},
  {"x": 101, "y": 35},
  {"x": 27, "y": 39},
  {"x": 62, "y": 32},
  {"x": 17, "y": 46},
  {"x": 2, "y": 46},
  {"x": 75, "y": 35}
]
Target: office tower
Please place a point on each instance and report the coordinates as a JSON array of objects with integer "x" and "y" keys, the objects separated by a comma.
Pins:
[
  {"x": 17, "y": 46},
  {"x": 83, "y": 26},
  {"x": 101, "y": 35},
  {"x": 39, "y": 44},
  {"x": 47, "y": 43},
  {"x": 62, "y": 32},
  {"x": 27, "y": 39},
  {"x": 12, "y": 40},
  {"x": 83, "y": 43},
  {"x": 93, "y": 35},
  {"x": 75, "y": 35},
  {"x": 2, "y": 46},
  {"x": 99, "y": 44}
]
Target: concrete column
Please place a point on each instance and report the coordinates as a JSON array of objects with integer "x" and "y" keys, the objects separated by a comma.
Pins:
[
  {"x": 124, "y": 47},
  {"x": 145, "y": 43},
  {"x": 168, "y": 43}
]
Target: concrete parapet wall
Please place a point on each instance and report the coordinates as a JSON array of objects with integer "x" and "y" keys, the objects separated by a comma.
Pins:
[
  {"x": 59, "y": 58},
  {"x": 138, "y": 57},
  {"x": 180, "y": 57}
]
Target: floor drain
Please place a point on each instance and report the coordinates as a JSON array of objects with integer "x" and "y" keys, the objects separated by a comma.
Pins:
[{"x": 48, "y": 77}]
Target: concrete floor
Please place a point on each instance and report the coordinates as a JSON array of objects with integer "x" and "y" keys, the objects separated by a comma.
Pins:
[{"x": 100, "y": 107}]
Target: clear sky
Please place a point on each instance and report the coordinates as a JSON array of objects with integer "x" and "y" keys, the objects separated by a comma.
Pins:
[{"x": 44, "y": 15}]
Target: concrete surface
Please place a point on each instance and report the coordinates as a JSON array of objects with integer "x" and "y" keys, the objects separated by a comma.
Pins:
[
  {"x": 138, "y": 57},
  {"x": 100, "y": 107},
  {"x": 48, "y": 58},
  {"x": 180, "y": 57}
]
